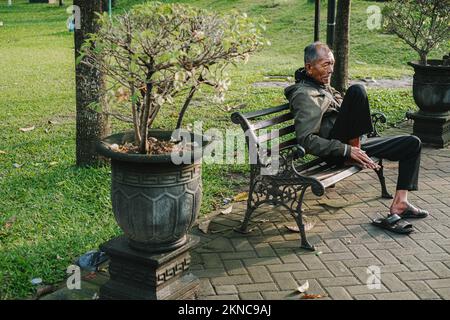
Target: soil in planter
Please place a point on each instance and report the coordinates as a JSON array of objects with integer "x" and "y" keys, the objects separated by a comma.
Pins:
[{"x": 156, "y": 147}]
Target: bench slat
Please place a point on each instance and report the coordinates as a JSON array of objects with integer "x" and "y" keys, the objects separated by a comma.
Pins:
[
  {"x": 270, "y": 135},
  {"x": 265, "y": 112},
  {"x": 273, "y": 121}
]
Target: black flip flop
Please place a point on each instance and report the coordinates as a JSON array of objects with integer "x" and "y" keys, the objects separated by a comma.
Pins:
[
  {"x": 410, "y": 213},
  {"x": 394, "y": 223}
]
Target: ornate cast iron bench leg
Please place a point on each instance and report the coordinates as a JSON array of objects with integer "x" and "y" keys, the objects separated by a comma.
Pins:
[
  {"x": 250, "y": 206},
  {"x": 377, "y": 118},
  {"x": 299, "y": 220},
  {"x": 384, "y": 193}
]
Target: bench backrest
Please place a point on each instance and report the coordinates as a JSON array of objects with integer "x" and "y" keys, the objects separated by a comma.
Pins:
[{"x": 260, "y": 125}]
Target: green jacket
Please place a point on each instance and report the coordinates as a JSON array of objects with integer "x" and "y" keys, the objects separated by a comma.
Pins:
[{"x": 315, "y": 108}]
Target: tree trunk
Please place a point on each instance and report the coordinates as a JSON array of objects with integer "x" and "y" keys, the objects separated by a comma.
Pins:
[
  {"x": 423, "y": 59},
  {"x": 91, "y": 124},
  {"x": 341, "y": 46}
]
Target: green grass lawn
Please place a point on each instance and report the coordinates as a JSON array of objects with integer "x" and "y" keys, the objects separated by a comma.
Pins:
[{"x": 50, "y": 211}]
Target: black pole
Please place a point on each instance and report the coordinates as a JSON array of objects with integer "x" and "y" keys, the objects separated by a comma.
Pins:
[
  {"x": 331, "y": 22},
  {"x": 317, "y": 21}
]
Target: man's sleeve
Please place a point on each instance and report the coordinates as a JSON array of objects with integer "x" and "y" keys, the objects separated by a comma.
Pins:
[{"x": 306, "y": 118}]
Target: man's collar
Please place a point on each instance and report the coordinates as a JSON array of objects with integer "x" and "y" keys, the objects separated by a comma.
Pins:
[{"x": 301, "y": 75}]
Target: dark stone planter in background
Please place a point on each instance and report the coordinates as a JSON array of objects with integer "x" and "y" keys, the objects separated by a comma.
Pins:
[{"x": 431, "y": 90}]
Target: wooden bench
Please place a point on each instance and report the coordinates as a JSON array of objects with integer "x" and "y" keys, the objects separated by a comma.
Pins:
[{"x": 295, "y": 174}]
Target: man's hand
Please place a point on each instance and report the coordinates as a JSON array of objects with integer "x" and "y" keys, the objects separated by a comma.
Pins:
[{"x": 362, "y": 159}]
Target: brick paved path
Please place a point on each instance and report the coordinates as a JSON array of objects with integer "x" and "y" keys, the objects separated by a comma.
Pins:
[{"x": 267, "y": 263}]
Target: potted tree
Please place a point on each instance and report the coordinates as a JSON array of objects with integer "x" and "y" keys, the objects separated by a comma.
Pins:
[
  {"x": 154, "y": 56},
  {"x": 424, "y": 25}
]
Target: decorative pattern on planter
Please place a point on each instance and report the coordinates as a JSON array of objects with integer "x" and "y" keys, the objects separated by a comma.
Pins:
[
  {"x": 173, "y": 270},
  {"x": 155, "y": 204}
]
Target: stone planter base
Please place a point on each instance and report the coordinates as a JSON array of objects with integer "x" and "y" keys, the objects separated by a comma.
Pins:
[
  {"x": 432, "y": 128},
  {"x": 137, "y": 275}
]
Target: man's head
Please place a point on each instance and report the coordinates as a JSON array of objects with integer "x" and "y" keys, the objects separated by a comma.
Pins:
[{"x": 319, "y": 62}]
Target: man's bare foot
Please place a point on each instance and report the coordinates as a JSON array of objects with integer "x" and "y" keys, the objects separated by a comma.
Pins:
[{"x": 407, "y": 210}]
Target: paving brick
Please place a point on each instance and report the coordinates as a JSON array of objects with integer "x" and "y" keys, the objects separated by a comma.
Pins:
[
  {"x": 412, "y": 263},
  {"x": 250, "y": 296},
  {"x": 312, "y": 262},
  {"x": 385, "y": 256},
  {"x": 364, "y": 289},
  {"x": 393, "y": 283},
  {"x": 383, "y": 246},
  {"x": 444, "y": 293},
  {"x": 261, "y": 261},
  {"x": 432, "y": 257},
  {"x": 360, "y": 251},
  {"x": 338, "y": 293},
  {"x": 221, "y": 297},
  {"x": 227, "y": 289},
  {"x": 362, "y": 262},
  {"x": 259, "y": 274},
  {"x": 336, "y": 245},
  {"x": 336, "y": 256},
  {"x": 313, "y": 274},
  {"x": 236, "y": 280},
  {"x": 439, "y": 283},
  {"x": 238, "y": 255},
  {"x": 205, "y": 288},
  {"x": 241, "y": 244},
  {"x": 422, "y": 290},
  {"x": 234, "y": 267},
  {"x": 338, "y": 268},
  {"x": 430, "y": 246},
  {"x": 256, "y": 287},
  {"x": 439, "y": 268},
  {"x": 396, "y": 296},
  {"x": 364, "y": 297},
  {"x": 211, "y": 260},
  {"x": 264, "y": 250},
  {"x": 208, "y": 273},
  {"x": 339, "y": 281},
  {"x": 417, "y": 275},
  {"x": 287, "y": 267},
  {"x": 279, "y": 295},
  {"x": 285, "y": 281},
  {"x": 393, "y": 268}
]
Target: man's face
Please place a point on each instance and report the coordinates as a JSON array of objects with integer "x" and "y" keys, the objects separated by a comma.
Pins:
[{"x": 322, "y": 68}]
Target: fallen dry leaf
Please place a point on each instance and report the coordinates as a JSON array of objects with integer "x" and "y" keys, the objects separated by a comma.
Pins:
[
  {"x": 312, "y": 296},
  {"x": 204, "y": 226},
  {"x": 53, "y": 163},
  {"x": 9, "y": 223},
  {"x": 243, "y": 196},
  {"x": 2, "y": 152},
  {"x": 304, "y": 287},
  {"x": 27, "y": 129},
  {"x": 227, "y": 210},
  {"x": 53, "y": 122}
]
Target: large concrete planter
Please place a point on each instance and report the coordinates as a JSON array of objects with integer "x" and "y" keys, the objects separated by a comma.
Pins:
[
  {"x": 155, "y": 202},
  {"x": 431, "y": 91}
]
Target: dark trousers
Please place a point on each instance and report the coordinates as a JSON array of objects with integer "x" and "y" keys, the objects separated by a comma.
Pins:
[{"x": 354, "y": 121}]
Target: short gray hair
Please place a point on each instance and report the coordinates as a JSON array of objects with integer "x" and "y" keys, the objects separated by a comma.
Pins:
[{"x": 312, "y": 51}]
